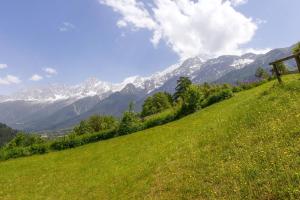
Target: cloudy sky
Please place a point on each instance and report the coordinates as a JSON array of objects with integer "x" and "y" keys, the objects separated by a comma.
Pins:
[{"x": 54, "y": 41}]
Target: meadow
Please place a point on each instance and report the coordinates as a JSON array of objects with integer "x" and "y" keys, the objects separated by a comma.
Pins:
[{"x": 246, "y": 147}]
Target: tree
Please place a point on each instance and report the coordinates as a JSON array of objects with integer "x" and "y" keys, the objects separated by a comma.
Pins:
[
  {"x": 192, "y": 101},
  {"x": 296, "y": 48},
  {"x": 131, "y": 106},
  {"x": 99, "y": 123},
  {"x": 83, "y": 128},
  {"x": 282, "y": 68},
  {"x": 156, "y": 103},
  {"x": 24, "y": 140},
  {"x": 130, "y": 121},
  {"x": 182, "y": 86},
  {"x": 261, "y": 73}
]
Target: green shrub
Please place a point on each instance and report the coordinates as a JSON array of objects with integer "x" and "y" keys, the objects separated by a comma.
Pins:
[
  {"x": 130, "y": 123},
  {"x": 24, "y": 140},
  {"x": 156, "y": 104},
  {"x": 96, "y": 123},
  {"x": 192, "y": 101},
  {"x": 38, "y": 149},
  {"x": 83, "y": 128},
  {"x": 14, "y": 153},
  {"x": 237, "y": 89},
  {"x": 66, "y": 143},
  {"x": 73, "y": 141},
  {"x": 101, "y": 123},
  {"x": 160, "y": 118},
  {"x": 217, "y": 97},
  {"x": 261, "y": 73}
]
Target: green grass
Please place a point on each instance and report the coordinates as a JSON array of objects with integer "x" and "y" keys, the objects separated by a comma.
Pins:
[{"x": 247, "y": 147}]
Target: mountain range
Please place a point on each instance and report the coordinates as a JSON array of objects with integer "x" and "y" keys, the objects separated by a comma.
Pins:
[{"x": 58, "y": 107}]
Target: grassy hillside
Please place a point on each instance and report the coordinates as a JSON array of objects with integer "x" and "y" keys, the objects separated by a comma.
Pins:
[{"x": 247, "y": 147}]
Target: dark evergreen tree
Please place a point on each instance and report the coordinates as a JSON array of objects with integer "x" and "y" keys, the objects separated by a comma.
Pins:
[{"x": 182, "y": 86}]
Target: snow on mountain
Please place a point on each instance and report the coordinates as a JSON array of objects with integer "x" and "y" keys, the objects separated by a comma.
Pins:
[
  {"x": 191, "y": 67},
  {"x": 240, "y": 63}
]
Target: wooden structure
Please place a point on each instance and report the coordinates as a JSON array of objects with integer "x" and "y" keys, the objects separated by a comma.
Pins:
[{"x": 275, "y": 68}]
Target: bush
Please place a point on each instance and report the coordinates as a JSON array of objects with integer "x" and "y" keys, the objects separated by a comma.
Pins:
[
  {"x": 160, "y": 118},
  {"x": 24, "y": 140},
  {"x": 261, "y": 73},
  {"x": 38, "y": 149},
  {"x": 96, "y": 123},
  {"x": 156, "y": 104},
  {"x": 66, "y": 143},
  {"x": 237, "y": 89},
  {"x": 101, "y": 123},
  {"x": 73, "y": 141},
  {"x": 14, "y": 153},
  {"x": 217, "y": 97},
  {"x": 83, "y": 128},
  {"x": 130, "y": 123},
  {"x": 193, "y": 99}
]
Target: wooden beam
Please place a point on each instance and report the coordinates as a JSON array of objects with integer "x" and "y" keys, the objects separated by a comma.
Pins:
[
  {"x": 285, "y": 59},
  {"x": 277, "y": 73},
  {"x": 297, "y": 58}
]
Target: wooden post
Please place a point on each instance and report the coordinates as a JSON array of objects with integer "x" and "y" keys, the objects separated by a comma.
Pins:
[
  {"x": 277, "y": 73},
  {"x": 297, "y": 58}
]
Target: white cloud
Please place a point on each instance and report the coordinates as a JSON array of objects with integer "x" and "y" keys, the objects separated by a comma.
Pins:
[
  {"x": 9, "y": 79},
  {"x": 238, "y": 2},
  {"x": 204, "y": 27},
  {"x": 257, "y": 51},
  {"x": 133, "y": 13},
  {"x": 66, "y": 26},
  {"x": 3, "y": 66},
  {"x": 50, "y": 71},
  {"x": 36, "y": 77}
]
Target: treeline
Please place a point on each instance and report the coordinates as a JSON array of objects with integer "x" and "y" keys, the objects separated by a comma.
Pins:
[{"x": 157, "y": 109}]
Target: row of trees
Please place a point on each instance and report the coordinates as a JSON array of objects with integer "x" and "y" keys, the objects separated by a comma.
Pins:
[{"x": 187, "y": 99}]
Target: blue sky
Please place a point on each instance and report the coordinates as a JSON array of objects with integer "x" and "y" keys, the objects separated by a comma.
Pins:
[{"x": 70, "y": 41}]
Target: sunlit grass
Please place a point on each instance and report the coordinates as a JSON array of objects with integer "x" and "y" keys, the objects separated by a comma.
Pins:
[{"x": 247, "y": 147}]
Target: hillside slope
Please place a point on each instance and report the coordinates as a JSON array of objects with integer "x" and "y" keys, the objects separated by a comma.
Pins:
[
  {"x": 6, "y": 134},
  {"x": 246, "y": 147}
]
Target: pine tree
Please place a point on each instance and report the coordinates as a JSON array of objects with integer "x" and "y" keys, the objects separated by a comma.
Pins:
[{"x": 182, "y": 86}]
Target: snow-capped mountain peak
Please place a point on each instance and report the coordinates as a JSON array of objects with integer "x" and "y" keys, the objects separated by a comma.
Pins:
[
  {"x": 195, "y": 68},
  {"x": 240, "y": 63}
]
